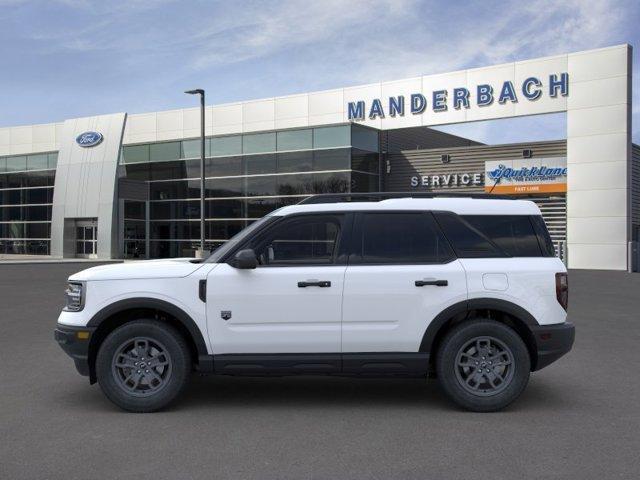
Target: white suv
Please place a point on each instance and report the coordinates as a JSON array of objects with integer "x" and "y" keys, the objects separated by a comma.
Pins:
[{"x": 465, "y": 289}]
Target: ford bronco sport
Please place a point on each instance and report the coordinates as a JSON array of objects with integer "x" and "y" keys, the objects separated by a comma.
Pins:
[{"x": 465, "y": 289}]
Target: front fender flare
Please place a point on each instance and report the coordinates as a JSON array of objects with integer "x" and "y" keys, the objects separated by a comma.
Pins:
[{"x": 156, "y": 304}]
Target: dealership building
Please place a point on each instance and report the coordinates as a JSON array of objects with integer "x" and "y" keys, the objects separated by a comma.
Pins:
[{"x": 128, "y": 185}]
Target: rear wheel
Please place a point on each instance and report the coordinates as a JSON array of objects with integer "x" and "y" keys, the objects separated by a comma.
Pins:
[
  {"x": 143, "y": 365},
  {"x": 483, "y": 365}
]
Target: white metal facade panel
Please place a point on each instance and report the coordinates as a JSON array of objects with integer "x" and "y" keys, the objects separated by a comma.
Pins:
[{"x": 85, "y": 185}]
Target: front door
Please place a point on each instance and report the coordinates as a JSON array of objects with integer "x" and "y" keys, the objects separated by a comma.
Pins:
[
  {"x": 402, "y": 274},
  {"x": 292, "y": 302},
  {"x": 87, "y": 238}
]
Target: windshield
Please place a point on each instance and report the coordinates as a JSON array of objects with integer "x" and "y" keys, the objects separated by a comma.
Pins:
[{"x": 237, "y": 239}]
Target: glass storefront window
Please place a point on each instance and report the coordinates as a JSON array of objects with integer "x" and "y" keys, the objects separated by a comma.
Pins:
[
  {"x": 135, "y": 153},
  {"x": 178, "y": 209},
  {"x": 259, "y": 143},
  {"x": 16, "y": 164},
  {"x": 140, "y": 171},
  {"x": 261, "y": 186},
  {"x": 362, "y": 182},
  {"x": 331, "y": 137},
  {"x": 339, "y": 159},
  {"x": 223, "y": 229},
  {"x": 191, "y": 148},
  {"x": 295, "y": 162},
  {"x": 295, "y": 140},
  {"x": 225, "y": 187},
  {"x": 224, "y": 209},
  {"x": 134, "y": 210},
  {"x": 259, "y": 207},
  {"x": 21, "y": 163},
  {"x": 364, "y": 138},
  {"x": 248, "y": 176},
  {"x": 159, "y": 152},
  {"x": 223, "y": 146},
  {"x": 52, "y": 160},
  {"x": 256, "y": 164},
  {"x": 364, "y": 161},
  {"x": 168, "y": 170},
  {"x": 223, "y": 166},
  {"x": 38, "y": 162}
]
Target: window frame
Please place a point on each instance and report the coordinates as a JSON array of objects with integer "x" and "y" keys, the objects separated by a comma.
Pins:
[{"x": 355, "y": 251}]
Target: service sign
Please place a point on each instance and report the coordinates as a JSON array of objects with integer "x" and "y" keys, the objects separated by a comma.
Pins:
[{"x": 522, "y": 176}]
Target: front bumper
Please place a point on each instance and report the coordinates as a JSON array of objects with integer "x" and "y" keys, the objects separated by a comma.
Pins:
[
  {"x": 552, "y": 342},
  {"x": 75, "y": 343}
]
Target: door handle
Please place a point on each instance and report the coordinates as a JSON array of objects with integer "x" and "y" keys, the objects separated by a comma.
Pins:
[
  {"x": 437, "y": 283},
  {"x": 314, "y": 283}
]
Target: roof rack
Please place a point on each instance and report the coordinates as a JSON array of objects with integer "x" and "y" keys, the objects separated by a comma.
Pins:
[{"x": 379, "y": 196}]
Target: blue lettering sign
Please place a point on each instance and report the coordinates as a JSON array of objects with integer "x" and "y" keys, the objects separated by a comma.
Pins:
[
  {"x": 439, "y": 100},
  {"x": 485, "y": 95},
  {"x": 528, "y": 92},
  {"x": 418, "y": 103},
  {"x": 396, "y": 106},
  {"x": 376, "y": 109},
  {"x": 460, "y": 98},
  {"x": 562, "y": 84},
  {"x": 531, "y": 89},
  {"x": 356, "y": 110},
  {"x": 507, "y": 93}
]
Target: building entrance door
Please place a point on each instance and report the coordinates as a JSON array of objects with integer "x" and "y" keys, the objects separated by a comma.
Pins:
[{"x": 87, "y": 239}]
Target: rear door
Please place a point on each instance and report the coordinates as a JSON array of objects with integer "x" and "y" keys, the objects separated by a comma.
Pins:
[{"x": 401, "y": 274}]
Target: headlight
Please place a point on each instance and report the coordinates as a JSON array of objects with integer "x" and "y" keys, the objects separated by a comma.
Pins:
[{"x": 74, "y": 297}]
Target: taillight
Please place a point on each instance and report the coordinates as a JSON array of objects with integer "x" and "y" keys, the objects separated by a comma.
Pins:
[{"x": 562, "y": 289}]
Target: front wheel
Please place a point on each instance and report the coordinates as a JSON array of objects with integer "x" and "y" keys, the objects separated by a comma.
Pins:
[
  {"x": 143, "y": 365},
  {"x": 483, "y": 365}
]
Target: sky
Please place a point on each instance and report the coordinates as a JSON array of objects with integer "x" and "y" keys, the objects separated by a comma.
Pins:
[{"x": 71, "y": 58}]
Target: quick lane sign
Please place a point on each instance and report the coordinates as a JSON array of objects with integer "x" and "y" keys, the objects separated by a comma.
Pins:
[
  {"x": 483, "y": 95},
  {"x": 533, "y": 175}
]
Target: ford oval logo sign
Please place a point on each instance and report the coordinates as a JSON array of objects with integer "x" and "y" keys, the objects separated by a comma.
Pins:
[{"x": 89, "y": 139}]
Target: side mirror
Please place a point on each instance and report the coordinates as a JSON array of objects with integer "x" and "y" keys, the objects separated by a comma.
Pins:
[{"x": 245, "y": 259}]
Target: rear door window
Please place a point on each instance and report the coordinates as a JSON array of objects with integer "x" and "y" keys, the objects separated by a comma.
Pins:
[{"x": 400, "y": 238}]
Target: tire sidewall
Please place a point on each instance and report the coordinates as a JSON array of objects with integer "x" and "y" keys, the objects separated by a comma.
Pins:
[
  {"x": 176, "y": 348},
  {"x": 446, "y": 364}
]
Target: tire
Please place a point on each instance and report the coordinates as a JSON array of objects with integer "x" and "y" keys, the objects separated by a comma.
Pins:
[
  {"x": 139, "y": 385},
  {"x": 494, "y": 346}
]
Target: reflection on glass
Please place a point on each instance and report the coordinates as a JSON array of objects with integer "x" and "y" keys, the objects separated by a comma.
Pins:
[
  {"x": 222, "y": 146},
  {"x": 331, "y": 137},
  {"x": 259, "y": 143},
  {"x": 135, "y": 153},
  {"x": 257, "y": 164},
  {"x": 160, "y": 152},
  {"x": 295, "y": 140}
]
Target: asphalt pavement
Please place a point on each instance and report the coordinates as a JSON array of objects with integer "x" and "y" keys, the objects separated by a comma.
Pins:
[{"x": 578, "y": 418}]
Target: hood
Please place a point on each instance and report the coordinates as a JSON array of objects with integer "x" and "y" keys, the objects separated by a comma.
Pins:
[{"x": 144, "y": 269}]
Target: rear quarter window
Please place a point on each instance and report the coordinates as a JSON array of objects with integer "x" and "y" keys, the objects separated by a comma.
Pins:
[{"x": 514, "y": 234}]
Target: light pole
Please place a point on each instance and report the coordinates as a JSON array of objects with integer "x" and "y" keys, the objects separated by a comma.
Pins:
[{"x": 199, "y": 91}]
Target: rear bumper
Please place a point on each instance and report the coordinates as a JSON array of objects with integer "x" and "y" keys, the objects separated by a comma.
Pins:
[
  {"x": 74, "y": 344},
  {"x": 552, "y": 341}
]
